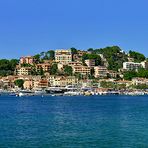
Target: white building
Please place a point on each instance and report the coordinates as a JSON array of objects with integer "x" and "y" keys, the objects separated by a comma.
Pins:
[
  {"x": 144, "y": 64},
  {"x": 131, "y": 66}
]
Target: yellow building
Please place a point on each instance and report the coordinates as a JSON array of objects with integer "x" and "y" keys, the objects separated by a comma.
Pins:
[
  {"x": 28, "y": 84},
  {"x": 63, "y": 56},
  {"x": 84, "y": 70},
  {"x": 64, "y": 81},
  {"x": 23, "y": 71}
]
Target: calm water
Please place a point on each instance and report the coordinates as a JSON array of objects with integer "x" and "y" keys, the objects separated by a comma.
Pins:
[{"x": 74, "y": 122}]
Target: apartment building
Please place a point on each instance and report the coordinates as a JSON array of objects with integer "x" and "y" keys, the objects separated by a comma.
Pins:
[
  {"x": 78, "y": 56},
  {"x": 27, "y": 60},
  {"x": 84, "y": 70},
  {"x": 75, "y": 63},
  {"x": 43, "y": 83},
  {"x": 139, "y": 81},
  {"x": 145, "y": 64},
  {"x": 113, "y": 74},
  {"x": 51, "y": 79},
  {"x": 63, "y": 56},
  {"x": 131, "y": 66},
  {"x": 23, "y": 71},
  {"x": 100, "y": 71},
  {"x": 64, "y": 81},
  {"x": 45, "y": 66},
  {"x": 28, "y": 84},
  {"x": 90, "y": 62}
]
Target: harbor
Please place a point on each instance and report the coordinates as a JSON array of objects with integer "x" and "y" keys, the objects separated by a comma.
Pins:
[{"x": 73, "y": 91}]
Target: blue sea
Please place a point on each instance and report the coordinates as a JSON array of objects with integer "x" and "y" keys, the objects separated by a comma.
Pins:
[{"x": 74, "y": 122}]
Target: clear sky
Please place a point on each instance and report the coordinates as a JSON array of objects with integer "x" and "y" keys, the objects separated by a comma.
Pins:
[{"x": 31, "y": 26}]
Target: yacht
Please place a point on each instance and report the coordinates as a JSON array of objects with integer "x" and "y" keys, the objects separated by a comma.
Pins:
[
  {"x": 72, "y": 93},
  {"x": 25, "y": 93}
]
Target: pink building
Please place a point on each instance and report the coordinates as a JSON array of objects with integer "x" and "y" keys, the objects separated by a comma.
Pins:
[{"x": 27, "y": 60}]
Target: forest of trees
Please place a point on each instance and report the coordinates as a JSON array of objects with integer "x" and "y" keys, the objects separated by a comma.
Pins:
[
  {"x": 138, "y": 57},
  {"x": 142, "y": 73},
  {"x": 114, "y": 55},
  {"x": 7, "y": 67}
]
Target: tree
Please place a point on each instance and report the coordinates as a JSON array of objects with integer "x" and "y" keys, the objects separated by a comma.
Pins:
[
  {"x": 105, "y": 84},
  {"x": 33, "y": 71},
  {"x": 51, "y": 54},
  {"x": 13, "y": 63},
  {"x": 42, "y": 54},
  {"x": 141, "y": 86},
  {"x": 41, "y": 72},
  {"x": 79, "y": 76},
  {"x": 90, "y": 50},
  {"x": 129, "y": 75},
  {"x": 37, "y": 58},
  {"x": 7, "y": 67},
  {"x": 96, "y": 57},
  {"x": 19, "y": 83},
  {"x": 138, "y": 57},
  {"x": 26, "y": 65},
  {"x": 54, "y": 69},
  {"x": 114, "y": 56},
  {"x": 73, "y": 50},
  {"x": 68, "y": 70}
]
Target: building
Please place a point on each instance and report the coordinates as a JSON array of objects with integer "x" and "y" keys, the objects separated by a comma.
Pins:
[
  {"x": 139, "y": 81},
  {"x": 123, "y": 82},
  {"x": 8, "y": 82},
  {"x": 28, "y": 84},
  {"x": 45, "y": 66},
  {"x": 23, "y": 70},
  {"x": 78, "y": 55},
  {"x": 42, "y": 83},
  {"x": 130, "y": 59},
  {"x": 51, "y": 79},
  {"x": 84, "y": 70},
  {"x": 113, "y": 74},
  {"x": 90, "y": 62},
  {"x": 100, "y": 71},
  {"x": 75, "y": 64},
  {"x": 62, "y": 81},
  {"x": 131, "y": 66},
  {"x": 27, "y": 60},
  {"x": 145, "y": 64},
  {"x": 63, "y": 56}
]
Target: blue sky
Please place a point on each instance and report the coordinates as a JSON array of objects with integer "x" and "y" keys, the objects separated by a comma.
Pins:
[{"x": 31, "y": 26}]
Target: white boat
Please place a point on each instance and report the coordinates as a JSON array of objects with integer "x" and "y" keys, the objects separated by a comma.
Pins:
[
  {"x": 25, "y": 93},
  {"x": 72, "y": 93},
  {"x": 39, "y": 92}
]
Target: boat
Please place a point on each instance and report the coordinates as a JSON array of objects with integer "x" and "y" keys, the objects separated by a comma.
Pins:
[
  {"x": 39, "y": 92},
  {"x": 55, "y": 90},
  {"x": 25, "y": 93},
  {"x": 72, "y": 93}
]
